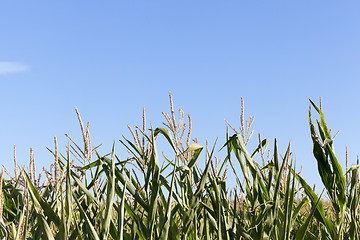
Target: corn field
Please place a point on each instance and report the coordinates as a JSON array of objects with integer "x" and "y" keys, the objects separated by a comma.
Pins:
[{"x": 183, "y": 194}]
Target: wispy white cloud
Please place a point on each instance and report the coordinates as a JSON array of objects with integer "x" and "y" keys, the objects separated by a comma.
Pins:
[{"x": 12, "y": 67}]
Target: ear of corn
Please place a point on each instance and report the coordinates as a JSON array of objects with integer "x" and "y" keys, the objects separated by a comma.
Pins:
[{"x": 153, "y": 195}]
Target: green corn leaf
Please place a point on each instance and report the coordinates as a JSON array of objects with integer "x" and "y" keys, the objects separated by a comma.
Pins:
[
  {"x": 203, "y": 179},
  {"x": 41, "y": 204},
  {"x": 167, "y": 135},
  {"x": 45, "y": 227},
  {"x": 238, "y": 153},
  {"x": 68, "y": 198},
  {"x": 353, "y": 202},
  {"x": 138, "y": 151},
  {"x": 84, "y": 188},
  {"x": 319, "y": 213},
  {"x": 197, "y": 148},
  {"x": 339, "y": 177},
  {"x": 323, "y": 123},
  {"x": 109, "y": 197},
  {"x": 21, "y": 220},
  {"x": 91, "y": 165},
  {"x": 300, "y": 234},
  {"x": 289, "y": 211},
  {"x": 155, "y": 186},
  {"x": 87, "y": 220},
  {"x": 165, "y": 228},
  {"x": 263, "y": 145},
  {"x": 121, "y": 216}
]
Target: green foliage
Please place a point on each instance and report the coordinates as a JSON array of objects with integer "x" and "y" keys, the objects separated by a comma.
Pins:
[{"x": 169, "y": 196}]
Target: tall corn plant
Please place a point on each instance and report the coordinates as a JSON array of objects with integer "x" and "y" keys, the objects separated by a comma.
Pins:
[{"x": 344, "y": 222}]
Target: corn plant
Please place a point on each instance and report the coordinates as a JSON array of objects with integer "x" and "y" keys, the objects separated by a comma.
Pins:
[
  {"x": 342, "y": 223},
  {"x": 182, "y": 193}
]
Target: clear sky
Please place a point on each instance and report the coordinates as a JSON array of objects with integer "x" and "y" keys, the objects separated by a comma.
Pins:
[{"x": 111, "y": 58}]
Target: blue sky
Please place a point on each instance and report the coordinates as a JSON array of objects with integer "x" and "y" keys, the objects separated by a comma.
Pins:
[{"x": 112, "y": 58}]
